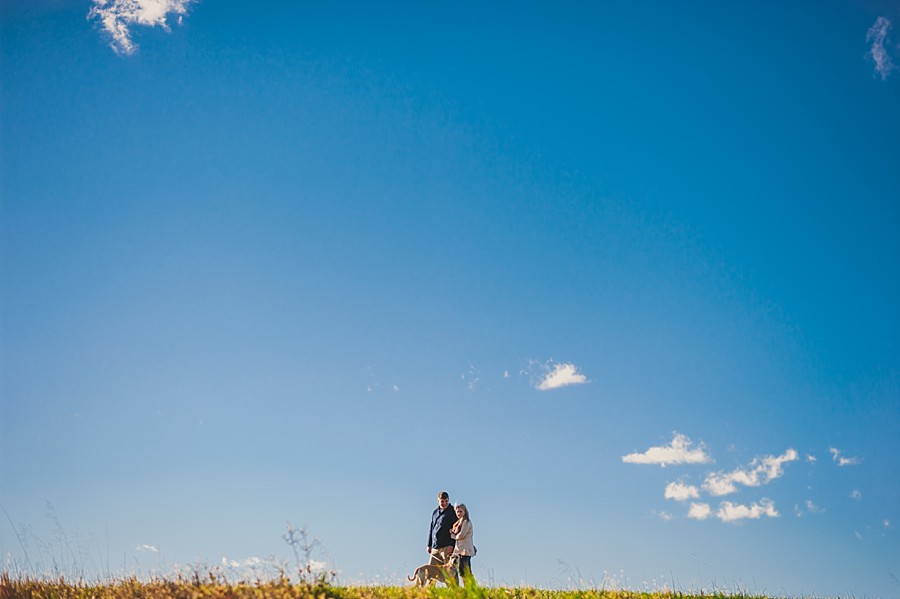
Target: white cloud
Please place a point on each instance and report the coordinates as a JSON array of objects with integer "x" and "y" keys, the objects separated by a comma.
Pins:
[
  {"x": 665, "y": 516},
  {"x": 118, "y": 17},
  {"x": 562, "y": 375},
  {"x": 681, "y": 492},
  {"x": 733, "y": 512},
  {"x": 699, "y": 511},
  {"x": 248, "y": 568},
  {"x": 840, "y": 460},
  {"x": 772, "y": 465},
  {"x": 677, "y": 452},
  {"x": 150, "y": 548},
  {"x": 877, "y": 35},
  {"x": 855, "y": 494},
  {"x": 760, "y": 472},
  {"x": 886, "y": 523}
]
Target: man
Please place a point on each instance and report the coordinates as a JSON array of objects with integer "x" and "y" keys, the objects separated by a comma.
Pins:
[{"x": 440, "y": 544}]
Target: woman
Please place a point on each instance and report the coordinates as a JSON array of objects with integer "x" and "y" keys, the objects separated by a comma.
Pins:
[{"x": 462, "y": 533}]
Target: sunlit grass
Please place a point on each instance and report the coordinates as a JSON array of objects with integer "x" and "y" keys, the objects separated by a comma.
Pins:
[{"x": 215, "y": 586}]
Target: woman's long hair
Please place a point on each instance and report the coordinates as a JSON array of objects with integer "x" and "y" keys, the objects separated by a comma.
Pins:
[
  {"x": 458, "y": 524},
  {"x": 465, "y": 510}
]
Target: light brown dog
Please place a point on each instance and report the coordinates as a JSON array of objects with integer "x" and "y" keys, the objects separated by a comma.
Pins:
[{"x": 428, "y": 575}]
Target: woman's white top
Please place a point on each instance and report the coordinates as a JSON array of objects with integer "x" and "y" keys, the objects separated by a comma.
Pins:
[{"x": 464, "y": 544}]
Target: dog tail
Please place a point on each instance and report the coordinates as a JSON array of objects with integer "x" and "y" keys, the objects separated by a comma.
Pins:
[{"x": 410, "y": 578}]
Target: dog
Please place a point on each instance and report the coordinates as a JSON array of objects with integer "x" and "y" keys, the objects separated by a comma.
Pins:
[{"x": 428, "y": 574}]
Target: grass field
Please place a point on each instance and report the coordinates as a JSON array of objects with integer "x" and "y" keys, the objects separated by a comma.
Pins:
[{"x": 215, "y": 587}]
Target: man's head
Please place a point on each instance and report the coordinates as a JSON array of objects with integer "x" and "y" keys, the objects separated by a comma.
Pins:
[{"x": 443, "y": 500}]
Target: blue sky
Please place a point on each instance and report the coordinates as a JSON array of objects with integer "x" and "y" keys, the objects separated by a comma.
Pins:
[{"x": 622, "y": 277}]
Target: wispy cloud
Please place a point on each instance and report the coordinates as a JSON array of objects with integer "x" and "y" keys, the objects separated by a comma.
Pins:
[
  {"x": 562, "y": 375},
  {"x": 761, "y": 471},
  {"x": 117, "y": 17},
  {"x": 471, "y": 377},
  {"x": 733, "y": 512},
  {"x": 811, "y": 508},
  {"x": 677, "y": 452},
  {"x": 877, "y": 36},
  {"x": 248, "y": 568},
  {"x": 150, "y": 548},
  {"x": 665, "y": 516},
  {"x": 855, "y": 494},
  {"x": 681, "y": 492},
  {"x": 840, "y": 460},
  {"x": 250, "y": 561}
]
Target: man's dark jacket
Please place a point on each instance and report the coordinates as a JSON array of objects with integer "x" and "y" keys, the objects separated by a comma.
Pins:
[{"x": 439, "y": 533}]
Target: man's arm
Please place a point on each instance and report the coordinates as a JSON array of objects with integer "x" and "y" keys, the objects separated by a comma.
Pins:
[{"x": 430, "y": 531}]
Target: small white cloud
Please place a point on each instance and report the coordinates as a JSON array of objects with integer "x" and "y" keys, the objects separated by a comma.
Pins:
[
  {"x": 681, "y": 492},
  {"x": 150, "y": 548},
  {"x": 840, "y": 460},
  {"x": 677, "y": 452},
  {"x": 877, "y": 35},
  {"x": 760, "y": 471},
  {"x": 699, "y": 511},
  {"x": 855, "y": 494},
  {"x": 117, "y": 17},
  {"x": 811, "y": 459},
  {"x": 396, "y": 388},
  {"x": 562, "y": 375},
  {"x": 733, "y": 512},
  {"x": 885, "y": 523}
]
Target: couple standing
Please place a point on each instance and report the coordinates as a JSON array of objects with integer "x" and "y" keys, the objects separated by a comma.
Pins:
[{"x": 450, "y": 534}]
